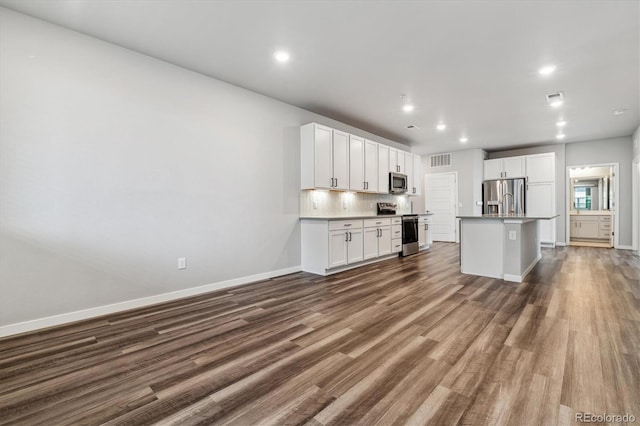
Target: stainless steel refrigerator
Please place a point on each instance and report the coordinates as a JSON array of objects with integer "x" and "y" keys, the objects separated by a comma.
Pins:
[{"x": 504, "y": 196}]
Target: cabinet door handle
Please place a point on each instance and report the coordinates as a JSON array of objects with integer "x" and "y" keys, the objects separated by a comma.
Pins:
[
  {"x": 336, "y": 182},
  {"x": 346, "y": 236},
  {"x": 349, "y": 236}
]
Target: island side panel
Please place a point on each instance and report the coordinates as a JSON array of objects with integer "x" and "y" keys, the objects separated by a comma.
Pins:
[
  {"x": 481, "y": 247},
  {"x": 521, "y": 249}
]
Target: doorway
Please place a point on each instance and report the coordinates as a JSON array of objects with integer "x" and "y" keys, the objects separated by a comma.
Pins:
[
  {"x": 591, "y": 205},
  {"x": 441, "y": 198},
  {"x": 635, "y": 185}
]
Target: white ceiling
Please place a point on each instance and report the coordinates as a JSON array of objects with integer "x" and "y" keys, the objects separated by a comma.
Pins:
[{"x": 472, "y": 64}]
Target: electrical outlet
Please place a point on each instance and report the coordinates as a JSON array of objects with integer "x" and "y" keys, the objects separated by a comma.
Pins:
[
  {"x": 344, "y": 204},
  {"x": 315, "y": 205},
  {"x": 182, "y": 263},
  {"x": 512, "y": 235}
]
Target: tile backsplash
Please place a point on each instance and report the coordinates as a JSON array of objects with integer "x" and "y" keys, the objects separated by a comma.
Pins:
[{"x": 334, "y": 203}]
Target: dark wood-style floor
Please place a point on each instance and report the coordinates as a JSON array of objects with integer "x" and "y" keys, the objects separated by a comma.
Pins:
[{"x": 405, "y": 341}]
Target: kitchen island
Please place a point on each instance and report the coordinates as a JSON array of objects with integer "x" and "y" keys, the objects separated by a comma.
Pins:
[{"x": 500, "y": 246}]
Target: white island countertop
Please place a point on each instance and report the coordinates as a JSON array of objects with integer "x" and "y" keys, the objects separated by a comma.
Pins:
[{"x": 508, "y": 217}]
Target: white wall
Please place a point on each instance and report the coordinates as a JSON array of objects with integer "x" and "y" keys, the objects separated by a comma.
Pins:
[
  {"x": 617, "y": 150},
  {"x": 469, "y": 164},
  {"x": 559, "y": 150},
  {"x": 114, "y": 164}
]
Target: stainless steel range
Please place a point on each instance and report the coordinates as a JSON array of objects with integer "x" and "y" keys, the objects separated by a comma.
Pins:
[{"x": 410, "y": 243}]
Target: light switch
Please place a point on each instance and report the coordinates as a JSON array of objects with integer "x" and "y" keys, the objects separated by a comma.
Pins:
[{"x": 512, "y": 235}]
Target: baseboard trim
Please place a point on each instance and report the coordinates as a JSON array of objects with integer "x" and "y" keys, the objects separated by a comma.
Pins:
[
  {"x": 519, "y": 278},
  {"x": 40, "y": 323},
  {"x": 561, "y": 244},
  {"x": 624, "y": 247}
]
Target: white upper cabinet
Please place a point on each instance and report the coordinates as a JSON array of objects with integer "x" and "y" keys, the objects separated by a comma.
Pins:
[
  {"x": 502, "y": 168},
  {"x": 398, "y": 160},
  {"x": 341, "y": 160},
  {"x": 324, "y": 154},
  {"x": 541, "y": 168},
  {"x": 371, "y": 166},
  {"x": 383, "y": 169},
  {"x": 514, "y": 167},
  {"x": 493, "y": 169},
  {"x": 414, "y": 173},
  {"x": 409, "y": 172},
  {"x": 402, "y": 162},
  {"x": 332, "y": 159},
  {"x": 356, "y": 164},
  {"x": 393, "y": 160}
]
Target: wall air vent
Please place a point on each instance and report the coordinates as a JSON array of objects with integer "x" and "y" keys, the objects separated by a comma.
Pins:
[
  {"x": 440, "y": 160},
  {"x": 555, "y": 97}
]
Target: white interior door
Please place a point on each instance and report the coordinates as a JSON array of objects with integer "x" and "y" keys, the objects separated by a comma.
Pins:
[{"x": 440, "y": 198}]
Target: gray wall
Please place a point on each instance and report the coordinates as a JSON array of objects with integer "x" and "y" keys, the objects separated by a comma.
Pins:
[
  {"x": 617, "y": 150},
  {"x": 559, "y": 150},
  {"x": 114, "y": 164},
  {"x": 469, "y": 165}
]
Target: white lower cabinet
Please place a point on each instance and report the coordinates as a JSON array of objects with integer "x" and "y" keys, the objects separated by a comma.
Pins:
[
  {"x": 377, "y": 237},
  {"x": 425, "y": 234},
  {"x": 332, "y": 245},
  {"x": 592, "y": 227},
  {"x": 345, "y": 242}
]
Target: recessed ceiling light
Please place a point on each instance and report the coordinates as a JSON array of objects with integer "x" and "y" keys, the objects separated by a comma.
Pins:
[
  {"x": 547, "y": 69},
  {"x": 441, "y": 126},
  {"x": 556, "y": 104},
  {"x": 464, "y": 140},
  {"x": 282, "y": 56},
  {"x": 561, "y": 123},
  {"x": 560, "y": 136},
  {"x": 619, "y": 111},
  {"x": 407, "y": 107}
]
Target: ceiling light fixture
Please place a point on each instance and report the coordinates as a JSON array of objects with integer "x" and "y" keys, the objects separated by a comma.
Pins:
[
  {"x": 556, "y": 104},
  {"x": 561, "y": 123},
  {"x": 282, "y": 56},
  {"x": 547, "y": 69},
  {"x": 619, "y": 111},
  {"x": 441, "y": 126},
  {"x": 463, "y": 140},
  {"x": 407, "y": 107},
  {"x": 560, "y": 136}
]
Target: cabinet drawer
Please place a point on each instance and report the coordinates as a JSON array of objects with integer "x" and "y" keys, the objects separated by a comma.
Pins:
[
  {"x": 336, "y": 225},
  {"x": 396, "y": 245},
  {"x": 425, "y": 219},
  {"x": 605, "y": 226},
  {"x": 374, "y": 223},
  {"x": 585, "y": 218},
  {"x": 396, "y": 231},
  {"x": 604, "y": 234},
  {"x": 396, "y": 221},
  {"x": 605, "y": 219}
]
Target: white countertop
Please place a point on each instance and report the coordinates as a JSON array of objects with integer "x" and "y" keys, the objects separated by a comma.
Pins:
[
  {"x": 507, "y": 217},
  {"x": 590, "y": 213},
  {"x": 371, "y": 216}
]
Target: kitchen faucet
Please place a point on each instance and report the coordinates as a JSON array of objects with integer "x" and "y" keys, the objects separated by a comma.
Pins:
[{"x": 511, "y": 195}]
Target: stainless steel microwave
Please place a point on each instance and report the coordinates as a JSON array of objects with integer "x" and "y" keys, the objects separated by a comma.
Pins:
[{"x": 397, "y": 183}]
